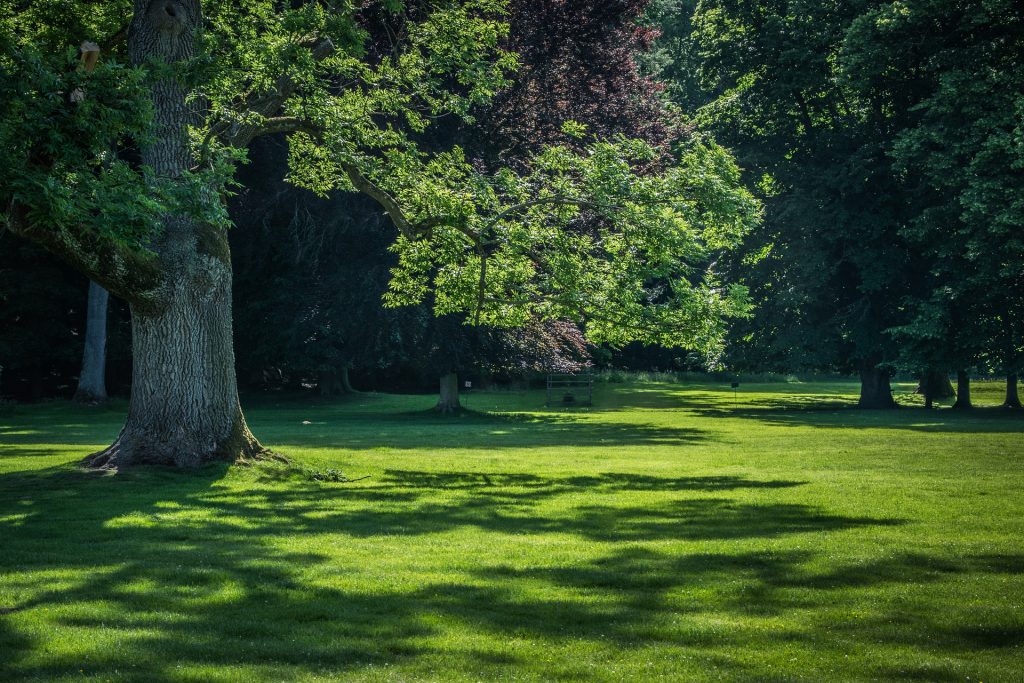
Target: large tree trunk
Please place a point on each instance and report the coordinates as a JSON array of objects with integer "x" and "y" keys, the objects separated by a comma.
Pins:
[
  {"x": 963, "y": 391},
  {"x": 92, "y": 385},
  {"x": 1012, "y": 397},
  {"x": 184, "y": 408},
  {"x": 875, "y": 390},
  {"x": 448, "y": 400}
]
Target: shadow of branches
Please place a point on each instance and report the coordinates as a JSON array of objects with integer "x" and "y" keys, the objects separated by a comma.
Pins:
[{"x": 199, "y": 571}]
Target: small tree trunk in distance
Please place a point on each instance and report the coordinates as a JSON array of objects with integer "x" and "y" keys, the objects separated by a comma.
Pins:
[
  {"x": 92, "y": 386},
  {"x": 944, "y": 388},
  {"x": 327, "y": 382},
  {"x": 448, "y": 401},
  {"x": 934, "y": 384},
  {"x": 1012, "y": 397},
  {"x": 875, "y": 390},
  {"x": 963, "y": 391},
  {"x": 332, "y": 382},
  {"x": 346, "y": 385}
]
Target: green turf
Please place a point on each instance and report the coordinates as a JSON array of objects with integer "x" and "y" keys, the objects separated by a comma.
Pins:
[{"x": 672, "y": 532}]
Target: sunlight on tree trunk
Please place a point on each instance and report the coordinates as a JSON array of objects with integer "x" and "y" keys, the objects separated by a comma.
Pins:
[
  {"x": 184, "y": 408},
  {"x": 448, "y": 400}
]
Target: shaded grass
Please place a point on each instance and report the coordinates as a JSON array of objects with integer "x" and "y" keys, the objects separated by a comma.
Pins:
[{"x": 672, "y": 532}]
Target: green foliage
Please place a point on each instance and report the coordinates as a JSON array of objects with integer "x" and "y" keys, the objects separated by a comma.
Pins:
[
  {"x": 581, "y": 234},
  {"x": 830, "y": 267},
  {"x": 56, "y": 154},
  {"x": 674, "y": 58},
  {"x": 955, "y": 72}
]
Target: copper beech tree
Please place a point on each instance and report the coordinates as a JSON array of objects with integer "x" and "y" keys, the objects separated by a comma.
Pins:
[{"x": 122, "y": 170}]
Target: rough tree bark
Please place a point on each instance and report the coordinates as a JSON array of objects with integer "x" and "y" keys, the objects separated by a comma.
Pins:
[
  {"x": 184, "y": 407},
  {"x": 448, "y": 399},
  {"x": 875, "y": 390},
  {"x": 1012, "y": 397},
  {"x": 92, "y": 385},
  {"x": 963, "y": 391}
]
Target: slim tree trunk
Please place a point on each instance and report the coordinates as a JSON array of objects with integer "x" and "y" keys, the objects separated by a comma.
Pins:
[
  {"x": 92, "y": 386},
  {"x": 184, "y": 408},
  {"x": 963, "y": 391},
  {"x": 346, "y": 385},
  {"x": 875, "y": 390},
  {"x": 1012, "y": 397},
  {"x": 448, "y": 400}
]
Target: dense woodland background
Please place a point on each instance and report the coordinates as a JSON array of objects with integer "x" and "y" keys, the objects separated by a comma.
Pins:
[{"x": 884, "y": 138}]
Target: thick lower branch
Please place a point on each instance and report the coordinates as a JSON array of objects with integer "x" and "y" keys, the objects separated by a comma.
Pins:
[{"x": 133, "y": 276}]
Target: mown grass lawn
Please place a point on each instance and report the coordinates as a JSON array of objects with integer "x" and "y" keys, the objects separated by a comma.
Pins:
[{"x": 672, "y": 532}]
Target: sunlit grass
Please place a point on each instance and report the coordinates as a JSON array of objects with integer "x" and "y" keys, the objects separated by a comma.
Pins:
[{"x": 674, "y": 532}]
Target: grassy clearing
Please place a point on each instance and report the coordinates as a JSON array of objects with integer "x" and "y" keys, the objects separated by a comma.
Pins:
[{"x": 672, "y": 532}]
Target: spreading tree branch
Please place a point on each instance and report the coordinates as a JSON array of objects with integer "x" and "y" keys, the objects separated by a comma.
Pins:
[
  {"x": 133, "y": 275},
  {"x": 554, "y": 201},
  {"x": 265, "y": 105},
  {"x": 381, "y": 196}
]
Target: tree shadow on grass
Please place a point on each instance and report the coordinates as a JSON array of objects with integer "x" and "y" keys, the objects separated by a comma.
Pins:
[
  {"x": 189, "y": 570},
  {"x": 333, "y": 427},
  {"x": 826, "y": 410},
  {"x": 414, "y": 503},
  {"x": 789, "y": 414},
  {"x": 605, "y": 482},
  {"x": 487, "y": 431},
  {"x": 662, "y": 396},
  {"x": 809, "y": 407},
  {"x": 771, "y": 584}
]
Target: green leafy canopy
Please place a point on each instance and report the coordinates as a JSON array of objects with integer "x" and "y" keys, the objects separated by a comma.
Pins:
[{"x": 605, "y": 233}]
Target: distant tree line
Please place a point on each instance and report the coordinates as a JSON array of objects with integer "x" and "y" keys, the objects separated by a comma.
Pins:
[{"x": 885, "y": 140}]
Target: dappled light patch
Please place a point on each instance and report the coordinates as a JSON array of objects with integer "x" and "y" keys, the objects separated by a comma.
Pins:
[{"x": 744, "y": 550}]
